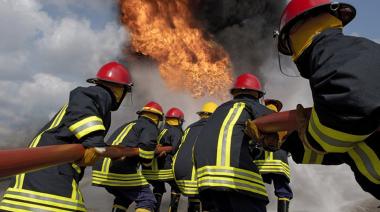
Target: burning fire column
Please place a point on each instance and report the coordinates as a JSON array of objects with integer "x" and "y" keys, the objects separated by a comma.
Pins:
[{"x": 187, "y": 56}]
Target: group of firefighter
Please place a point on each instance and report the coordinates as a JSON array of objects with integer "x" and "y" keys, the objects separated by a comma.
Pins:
[{"x": 221, "y": 161}]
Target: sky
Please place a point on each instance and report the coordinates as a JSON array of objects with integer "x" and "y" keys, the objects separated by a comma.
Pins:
[{"x": 49, "y": 47}]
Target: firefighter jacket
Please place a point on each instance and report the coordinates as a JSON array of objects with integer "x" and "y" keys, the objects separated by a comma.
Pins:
[
  {"x": 142, "y": 134},
  {"x": 183, "y": 166},
  {"x": 85, "y": 119},
  {"x": 222, "y": 157},
  {"x": 343, "y": 72},
  {"x": 363, "y": 159},
  {"x": 273, "y": 163},
  {"x": 161, "y": 168}
]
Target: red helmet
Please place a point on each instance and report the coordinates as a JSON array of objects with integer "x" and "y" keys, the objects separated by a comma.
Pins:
[
  {"x": 113, "y": 72},
  {"x": 175, "y": 113},
  {"x": 247, "y": 81},
  {"x": 152, "y": 107},
  {"x": 298, "y": 9}
]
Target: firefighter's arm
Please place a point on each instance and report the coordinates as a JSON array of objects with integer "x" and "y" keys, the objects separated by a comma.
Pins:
[
  {"x": 147, "y": 145},
  {"x": 83, "y": 116},
  {"x": 301, "y": 154},
  {"x": 175, "y": 142}
]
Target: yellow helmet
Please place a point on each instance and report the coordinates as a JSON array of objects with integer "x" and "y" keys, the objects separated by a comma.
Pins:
[
  {"x": 208, "y": 108},
  {"x": 273, "y": 104}
]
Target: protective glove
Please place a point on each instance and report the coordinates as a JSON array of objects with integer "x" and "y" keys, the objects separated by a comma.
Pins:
[
  {"x": 302, "y": 120},
  {"x": 90, "y": 156},
  {"x": 269, "y": 141}
]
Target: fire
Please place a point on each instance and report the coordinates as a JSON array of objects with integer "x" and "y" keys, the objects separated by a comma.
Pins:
[{"x": 187, "y": 56}]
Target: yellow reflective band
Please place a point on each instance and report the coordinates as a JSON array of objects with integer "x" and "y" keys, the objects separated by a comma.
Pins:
[
  {"x": 233, "y": 183},
  {"x": 115, "y": 183},
  {"x": 22, "y": 199},
  {"x": 107, "y": 161},
  {"x": 114, "y": 179},
  {"x": 52, "y": 196},
  {"x": 146, "y": 154},
  {"x": 33, "y": 207},
  {"x": 284, "y": 199},
  {"x": 366, "y": 161},
  {"x": 12, "y": 209},
  {"x": 162, "y": 133},
  {"x": 224, "y": 140},
  {"x": 229, "y": 172},
  {"x": 274, "y": 166},
  {"x": 43, "y": 198},
  {"x": 188, "y": 187},
  {"x": 330, "y": 139},
  {"x": 311, "y": 157},
  {"x": 179, "y": 148},
  {"x": 77, "y": 168},
  {"x": 165, "y": 174},
  {"x": 120, "y": 207},
  {"x": 87, "y": 126},
  {"x": 57, "y": 120}
]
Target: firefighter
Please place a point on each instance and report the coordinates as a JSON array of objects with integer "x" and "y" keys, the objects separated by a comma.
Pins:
[
  {"x": 273, "y": 166},
  {"x": 226, "y": 174},
  {"x": 85, "y": 119},
  {"x": 183, "y": 166},
  {"x": 343, "y": 72},
  {"x": 123, "y": 178},
  {"x": 161, "y": 169}
]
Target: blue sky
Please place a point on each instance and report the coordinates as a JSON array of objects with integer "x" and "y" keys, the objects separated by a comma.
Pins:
[{"x": 367, "y": 20}]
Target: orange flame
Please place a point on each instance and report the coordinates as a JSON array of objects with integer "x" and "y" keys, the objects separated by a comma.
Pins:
[{"x": 188, "y": 59}]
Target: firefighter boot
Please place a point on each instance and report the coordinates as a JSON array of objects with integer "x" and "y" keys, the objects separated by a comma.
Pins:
[
  {"x": 194, "y": 205},
  {"x": 158, "y": 197},
  {"x": 174, "y": 202},
  {"x": 283, "y": 205}
]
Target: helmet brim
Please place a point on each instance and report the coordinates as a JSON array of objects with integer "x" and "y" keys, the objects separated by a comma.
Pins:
[
  {"x": 128, "y": 86},
  {"x": 234, "y": 90}
]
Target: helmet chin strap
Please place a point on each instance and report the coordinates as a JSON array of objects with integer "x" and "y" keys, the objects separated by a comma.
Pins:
[{"x": 276, "y": 33}]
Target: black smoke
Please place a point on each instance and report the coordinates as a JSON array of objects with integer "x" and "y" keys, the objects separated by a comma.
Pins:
[{"x": 244, "y": 28}]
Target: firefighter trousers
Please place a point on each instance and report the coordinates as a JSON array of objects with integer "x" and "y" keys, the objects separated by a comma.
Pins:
[
  {"x": 142, "y": 196},
  {"x": 223, "y": 201}
]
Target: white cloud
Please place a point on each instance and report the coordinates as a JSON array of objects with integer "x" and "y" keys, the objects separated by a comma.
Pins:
[{"x": 43, "y": 56}]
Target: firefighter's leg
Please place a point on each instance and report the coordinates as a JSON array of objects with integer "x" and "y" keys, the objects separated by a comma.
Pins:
[
  {"x": 283, "y": 192},
  {"x": 121, "y": 201},
  {"x": 145, "y": 200},
  {"x": 158, "y": 191},
  {"x": 194, "y": 204},
  {"x": 232, "y": 201},
  {"x": 174, "y": 197}
]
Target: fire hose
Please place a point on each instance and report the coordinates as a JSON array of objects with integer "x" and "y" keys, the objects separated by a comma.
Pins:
[{"x": 16, "y": 161}]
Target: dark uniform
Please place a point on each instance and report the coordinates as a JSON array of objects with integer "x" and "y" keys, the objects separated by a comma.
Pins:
[
  {"x": 273, "y": 166},
  {"x": 303, "y": 155},
  {"x": 161, "y": 169},
  {"x": 123, "y": 178},
  {"x": 226, "y": 174},
  {"x": 86, "y": 120},
  {"x": 343, "y": 72},
  {"x": 184, "y": 169}
]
